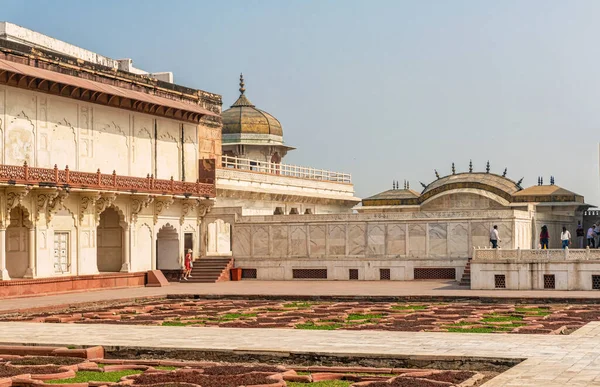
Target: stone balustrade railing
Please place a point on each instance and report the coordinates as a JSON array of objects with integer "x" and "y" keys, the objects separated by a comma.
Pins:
[
  {"x": 284, "y": 169},
  {"x": 526, "y": 255},
  {"x": 54, "y": 177}
]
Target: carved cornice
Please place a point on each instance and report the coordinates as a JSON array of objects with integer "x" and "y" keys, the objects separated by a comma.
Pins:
[
  {"x": 138, "y": 203},
  {"x": 42, "y": 202},
  {"x": 105, "y": 201},
  {"x": 56, "y": 203},
  {"x": 161, "y": 205},
  {"x": 203, "y": 207},
  {"x": 15, "y": 198}
]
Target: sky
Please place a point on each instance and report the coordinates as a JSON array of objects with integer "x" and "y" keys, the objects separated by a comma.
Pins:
[{"x": 384, "y": 90}]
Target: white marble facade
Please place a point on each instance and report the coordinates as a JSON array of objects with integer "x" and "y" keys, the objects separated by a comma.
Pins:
[
  {"x": 47, "y": 232},
  {"x": 399, "y": 241},
  {"x": 45, "y": 130}
]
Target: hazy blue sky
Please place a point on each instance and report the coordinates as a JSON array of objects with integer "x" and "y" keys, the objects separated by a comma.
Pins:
[{"x": 380, "y": 89}]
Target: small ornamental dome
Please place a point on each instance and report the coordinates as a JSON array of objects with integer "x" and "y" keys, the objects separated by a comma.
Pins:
[{"x": 244, "y": 118}]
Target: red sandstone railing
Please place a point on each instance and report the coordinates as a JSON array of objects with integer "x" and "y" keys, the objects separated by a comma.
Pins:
[{"x": 14, "y": 174}]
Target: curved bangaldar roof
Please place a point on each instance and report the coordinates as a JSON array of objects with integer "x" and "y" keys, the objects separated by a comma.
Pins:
[{"x": 497, "y": 184}]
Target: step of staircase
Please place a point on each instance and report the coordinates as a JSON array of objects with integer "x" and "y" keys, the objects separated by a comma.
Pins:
[
  {"x": 466, "y": 277},
  {"x": 207, "y": 270}
]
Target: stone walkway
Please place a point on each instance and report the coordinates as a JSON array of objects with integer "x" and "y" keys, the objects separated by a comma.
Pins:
[
  {"x": 552, "y": 361},
  {"x": 293, "y": 288}
]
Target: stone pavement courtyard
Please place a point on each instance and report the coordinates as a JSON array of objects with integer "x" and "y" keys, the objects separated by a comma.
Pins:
[{"x": 371, "y": 321}]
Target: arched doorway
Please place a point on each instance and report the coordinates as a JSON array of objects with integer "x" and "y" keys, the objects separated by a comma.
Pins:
[
  {"x": 110, "y": 241},
  {"x": 17, "y": 243},
  {"x": 219, "y": 238},
  {"x": 167, "y": 248}
]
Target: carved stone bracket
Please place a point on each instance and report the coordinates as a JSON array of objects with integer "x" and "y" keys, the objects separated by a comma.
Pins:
[
  {"x": 88, "y": 202},
  {"x": 42, "y": 202},
  {"x": 56, "y": 203},
  {"x": 14, "y": 198},
  {"x": 161, "y": 205},
  {"x": 204, "y": 206},
  {"x": 105, "y": 201},
  {"x": 138, "y": 203},
  {"x": 186, "y": 207}
]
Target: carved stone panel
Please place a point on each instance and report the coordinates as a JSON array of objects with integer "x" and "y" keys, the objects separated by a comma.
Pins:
[
  {"x": 417, "y": 243},
  {"x": 505, "y": 232},
  {"x": 280, "y": 241},
  {"x": 458, "y": 240},
  {"x": 356, "y": 239},
  {"x": 438, "y": 239},
  {"x": 298, "y": 238},
  {"x": 260, "y": 241},
  {"x": 241, "y": 241},
  {"x": 376, "y": 239},
  {"x": 317, "y": 240},
  {"x": 396, "y": 239},
  {"x": 480, "y": 234},
  {"x": 337, "y": 240}
]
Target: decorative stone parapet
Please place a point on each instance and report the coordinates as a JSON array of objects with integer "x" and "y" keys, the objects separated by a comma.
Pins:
[
  {"x": 525, "y": 256},
  {"x": 13, "y": 174}
]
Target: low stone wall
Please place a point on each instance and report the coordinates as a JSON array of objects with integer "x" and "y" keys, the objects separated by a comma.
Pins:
[
  {"x": 33, "y": 287},
  {"x": 569, "y": 269},
  {"x": 347, "y": 268}
]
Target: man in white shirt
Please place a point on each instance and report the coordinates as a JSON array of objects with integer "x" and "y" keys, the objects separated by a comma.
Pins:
[
  {"x": 494, "y": 237},
  {"x": 565, "y": 237}
]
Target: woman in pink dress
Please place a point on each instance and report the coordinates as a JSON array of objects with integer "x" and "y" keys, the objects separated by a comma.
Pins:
[{"x": 187, "y": 265}]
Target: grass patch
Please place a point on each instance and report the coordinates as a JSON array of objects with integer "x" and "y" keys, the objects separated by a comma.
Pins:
[
  {"x": 409, "y": 307},
  {"x": 359, "y": 316},
  {"x": 500, "y": 318},
  {"x": 461, "y": 323},
  {"x": 87, "y": 376},
  {"x": 310, "y": 325},
  {"x": 165, "y": 368},
  {"x": 298, "y": 305},
  {"x": 235, "y": 316},
  {"x": 533, "y": 311}
]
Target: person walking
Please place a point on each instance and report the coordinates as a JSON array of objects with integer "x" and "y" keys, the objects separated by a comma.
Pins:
[
  {"x": 187, "y": 261},
  {"x": 580, "y": 233},
  {"x": 544, "y": 238},
  {"x": 565, "y": 237},
  {"x": 494, "y": 237},
  {"x": 591, "y": 235}
]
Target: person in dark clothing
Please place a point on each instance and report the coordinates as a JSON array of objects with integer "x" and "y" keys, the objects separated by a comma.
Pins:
[{"x": 544, "y": 237}]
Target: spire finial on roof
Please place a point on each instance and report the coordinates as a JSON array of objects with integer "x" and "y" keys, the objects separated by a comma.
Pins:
[
  {"x": 541, "y": 180},
  {"x": 470, "y": 166},
  {"x": 519, "y": 183},
  {"x": 504, "y": 173},
  {"x": 487, "y": 167},
  {"x": 393, "y": 184},
  {"x": 423, "y": 184},
  {"x": 242, "y": 88},
  {"x": 407, "y": 184},
  {"x": 437, "y": 175},
  {"x": 551, "y": 180},
  {"x": 453, "y": 169}
]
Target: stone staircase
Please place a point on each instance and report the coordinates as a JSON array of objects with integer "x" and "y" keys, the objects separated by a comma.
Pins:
[
  {"x": 466, "y": 277},
  {"x": 210, "y": 270}
]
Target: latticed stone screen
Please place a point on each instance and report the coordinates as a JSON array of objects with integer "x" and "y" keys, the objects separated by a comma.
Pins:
[
  {"x": 435, "y": 273},
  {"x": 248, "y": 273},
  {"x": 353, "y": 274},
  {"x": 384, "y": 274},
  {"x": 500, "y": 281},
  {"x": 309, "y": 273},
  {"x": 549, "y": 281},
  {"x": 596, "y": 282}
]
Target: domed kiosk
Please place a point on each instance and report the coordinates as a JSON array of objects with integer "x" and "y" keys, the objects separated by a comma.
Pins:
[{"x": 252, "y": 133}]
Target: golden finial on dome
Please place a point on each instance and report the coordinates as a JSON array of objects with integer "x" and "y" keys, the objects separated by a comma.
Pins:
[{"x": 242, "y": 89}]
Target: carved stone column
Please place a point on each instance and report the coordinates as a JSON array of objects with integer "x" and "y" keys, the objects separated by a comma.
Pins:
[
  {"x": 3, "y": 272},
  {"x": 126, "y": 267},
  {"x": 87, "y": 258},
  {"x": 30, "y": 273}
]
